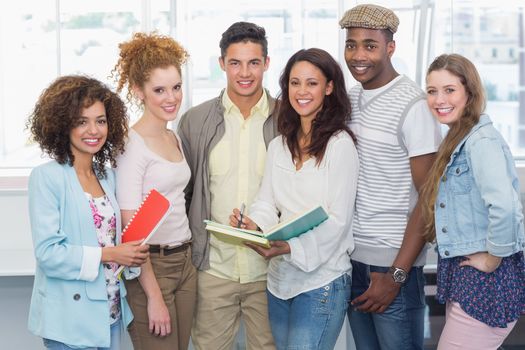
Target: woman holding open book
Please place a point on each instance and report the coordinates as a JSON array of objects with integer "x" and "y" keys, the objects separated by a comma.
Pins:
[
  {"x": 313, "y": 162},
  {"x": 77, "y": 300},
  {"x": 163, "y": 297}
]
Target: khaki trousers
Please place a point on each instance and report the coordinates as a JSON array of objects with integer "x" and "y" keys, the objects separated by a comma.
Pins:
[
  {"x": 177, "y": 279},
  {"x": 220, "y": 305}
]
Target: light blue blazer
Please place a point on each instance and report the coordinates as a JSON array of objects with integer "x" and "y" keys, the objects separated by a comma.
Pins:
[{"x": 63, "y": 307}]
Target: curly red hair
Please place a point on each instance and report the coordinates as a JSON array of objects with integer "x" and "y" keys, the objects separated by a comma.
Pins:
[{"x": 141, "y": 55}]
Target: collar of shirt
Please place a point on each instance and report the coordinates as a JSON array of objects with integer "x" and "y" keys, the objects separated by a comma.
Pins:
[
  {"x": 259, "y": 110},
  {"x": 367, "y": 95}
]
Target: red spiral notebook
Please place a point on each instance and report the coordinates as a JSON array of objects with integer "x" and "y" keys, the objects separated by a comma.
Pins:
[{"x": 146, "y": 220}]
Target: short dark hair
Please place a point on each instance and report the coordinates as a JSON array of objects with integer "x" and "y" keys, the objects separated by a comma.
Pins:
[
  {"x": 389, "y": 36},
  {"x": 244, "y": 32},
  {"x": 333, "y": 116}
]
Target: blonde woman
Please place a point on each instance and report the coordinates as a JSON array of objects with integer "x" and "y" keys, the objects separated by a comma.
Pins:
[{"x": 473, "y": 211}]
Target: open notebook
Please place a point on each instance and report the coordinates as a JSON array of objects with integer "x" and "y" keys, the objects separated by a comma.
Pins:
[{"x": 283, "y": 231}]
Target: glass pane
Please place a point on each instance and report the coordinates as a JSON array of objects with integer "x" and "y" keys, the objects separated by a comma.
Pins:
[
  {"x": 90, "y": 34},
  {"x": 28, "y": 62},
  {"x": 162, "y": 18},
  {"x": 492, "y": 36},
  {"x": 88, "y": 44}
]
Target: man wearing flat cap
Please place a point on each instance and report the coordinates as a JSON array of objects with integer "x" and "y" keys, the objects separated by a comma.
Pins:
[{"x": 397, "y": 138}]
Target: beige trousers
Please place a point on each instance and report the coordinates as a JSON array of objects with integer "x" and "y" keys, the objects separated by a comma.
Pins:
[
  {"x": 177, "y": 278},
  {"x": 221, "y": 304}
]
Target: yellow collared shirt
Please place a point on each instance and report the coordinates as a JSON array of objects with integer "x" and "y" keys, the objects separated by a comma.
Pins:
[{"x": 236, "y": 168}]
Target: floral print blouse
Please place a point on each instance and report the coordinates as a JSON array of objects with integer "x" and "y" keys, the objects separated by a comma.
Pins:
[
  {"x": 106, "y": 227},
  {"x": 495, "y": 298}
]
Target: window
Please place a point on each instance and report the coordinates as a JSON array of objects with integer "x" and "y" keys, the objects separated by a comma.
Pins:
[
  {"x": 499, "y": 31},
  {"x": 28, "y": 62},
  {"x": 56, "y": 37},
  {"x": 70, "y": 37}
]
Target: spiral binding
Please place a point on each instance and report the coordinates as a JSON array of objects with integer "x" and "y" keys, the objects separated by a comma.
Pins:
[
  {"x": 120, "y": 270},
  {"x": 135, "y": 213}
]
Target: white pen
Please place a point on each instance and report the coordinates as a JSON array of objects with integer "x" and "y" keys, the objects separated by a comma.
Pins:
[{"x": 240, "y": 216}]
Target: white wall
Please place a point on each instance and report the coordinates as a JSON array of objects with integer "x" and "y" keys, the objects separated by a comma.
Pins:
[{"x": 16, "y": 255}]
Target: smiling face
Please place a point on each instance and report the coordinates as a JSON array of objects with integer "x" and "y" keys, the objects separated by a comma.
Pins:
[
  {"x": 90, "y": 131},
  {"x": 367, "y": 55},
  {"x": 307, "y": 89},
  {"x": 244, "y": 64},
  {"x": 446, "y": 96},
  {"x": 162, "y": 94}
]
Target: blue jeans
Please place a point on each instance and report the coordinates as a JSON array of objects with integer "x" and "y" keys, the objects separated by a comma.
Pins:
[
  {"x": 114, "y": 345},
  {"x": 311, "y": 320},
  {"x": 401, "y": 326}
]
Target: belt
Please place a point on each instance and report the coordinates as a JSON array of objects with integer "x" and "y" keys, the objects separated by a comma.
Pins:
[{"x": 166, "y": 250}]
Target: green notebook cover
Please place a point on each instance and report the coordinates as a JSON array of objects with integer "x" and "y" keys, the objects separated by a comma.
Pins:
[
  {"x": 283, "y": 231},
  {"x": 297, "y": 225}
]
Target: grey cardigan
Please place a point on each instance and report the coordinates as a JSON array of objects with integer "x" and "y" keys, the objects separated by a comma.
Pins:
[{"x": 200, "y": 129}]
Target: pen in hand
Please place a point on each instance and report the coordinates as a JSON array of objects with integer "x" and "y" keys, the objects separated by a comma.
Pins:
[{"x": 240, "y": 216}]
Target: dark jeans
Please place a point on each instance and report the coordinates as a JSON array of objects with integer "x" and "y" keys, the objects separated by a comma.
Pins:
[{"x": 401, "y": 326}]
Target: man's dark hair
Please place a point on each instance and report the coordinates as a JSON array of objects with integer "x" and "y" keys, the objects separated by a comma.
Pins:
[
  {"x": 389, "y": 36},
  {"x": 244, "y": 32}
]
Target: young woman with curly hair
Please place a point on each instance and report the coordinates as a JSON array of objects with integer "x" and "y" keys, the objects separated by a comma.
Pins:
[
  {"x": 163, "y": 297},
  {"x": 77, "y": 301},
  {"x": 313, "y": 162},
  {"x": 473, "y": 211}
]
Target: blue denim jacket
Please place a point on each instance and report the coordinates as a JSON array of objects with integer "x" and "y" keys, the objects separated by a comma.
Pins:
[{"x": 478, "y": 207}]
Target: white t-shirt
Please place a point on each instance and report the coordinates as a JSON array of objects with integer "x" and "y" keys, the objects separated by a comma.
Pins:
[
  {"x": 138, "y": 171},
  {"x": 392, "y": 125},
  {"x": 414, "y": 131}
]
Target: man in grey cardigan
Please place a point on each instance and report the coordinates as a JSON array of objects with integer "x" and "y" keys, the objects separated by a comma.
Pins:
[{"x": 225, "y": 140}]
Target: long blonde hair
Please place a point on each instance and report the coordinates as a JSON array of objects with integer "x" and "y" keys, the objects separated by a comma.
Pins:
[{"x": 469, "y": 77}]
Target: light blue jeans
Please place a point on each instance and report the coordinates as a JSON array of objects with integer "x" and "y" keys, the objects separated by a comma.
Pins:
[
  {"x": 311, "y": 320},
  {"x": 114, "y": 345},
  {"x": 401, "y": 326}
]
